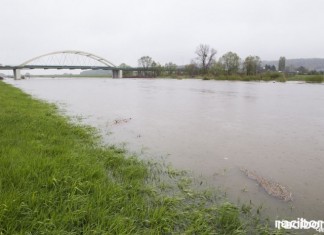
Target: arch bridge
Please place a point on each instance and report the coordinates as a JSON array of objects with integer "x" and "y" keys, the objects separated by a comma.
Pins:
[{"x": 68, "y": 59}]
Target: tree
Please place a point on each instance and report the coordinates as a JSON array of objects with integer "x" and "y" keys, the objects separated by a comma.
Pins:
[
  {"x": 205, "y": 56},
  {"x": 145, "y": 62},
  {"x": 252, "y": 65},
  {"x": 191, "y": 69},
  {"x": 157, "y": 69},
  {"x": 302, "y": 70},
  {"x": 231, "y": 62},
  {"x": 125, "y": 72},
  {"x": 170, "y": 68},
  {"x": 282, "y": 64},
  {"x": 271, "y": 68},
  {"x": 217, "y": 68}
]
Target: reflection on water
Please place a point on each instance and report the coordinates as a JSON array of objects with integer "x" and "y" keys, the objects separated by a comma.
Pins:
[{"x": 212, "y": 128}]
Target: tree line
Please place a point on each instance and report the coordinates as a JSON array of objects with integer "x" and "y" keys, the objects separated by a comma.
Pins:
[{"x": 205, "y": 64}]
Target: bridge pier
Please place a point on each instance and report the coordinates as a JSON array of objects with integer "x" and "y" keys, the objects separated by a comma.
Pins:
[
  {"x": 17, "y": 74},
  {"x": 117, "y": 73}
]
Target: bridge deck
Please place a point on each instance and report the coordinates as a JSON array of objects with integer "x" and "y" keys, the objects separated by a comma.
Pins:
[
  {"x": 9, "y": 67},
  {"x": 57, "y": 67}
]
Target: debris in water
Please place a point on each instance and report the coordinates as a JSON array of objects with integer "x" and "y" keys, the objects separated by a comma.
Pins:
[
  {"x": 272, "y": 188},
  {"x": 124, "y": 120}
]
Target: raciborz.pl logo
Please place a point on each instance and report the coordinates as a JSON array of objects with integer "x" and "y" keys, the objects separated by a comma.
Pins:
[{"x": 300, "y": 223}]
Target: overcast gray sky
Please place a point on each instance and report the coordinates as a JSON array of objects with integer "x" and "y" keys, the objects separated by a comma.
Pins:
[{"x": 166, "y": 30}]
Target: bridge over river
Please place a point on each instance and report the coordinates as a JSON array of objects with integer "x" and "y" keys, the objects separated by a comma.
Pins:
[{"x": 70, "y": 59}]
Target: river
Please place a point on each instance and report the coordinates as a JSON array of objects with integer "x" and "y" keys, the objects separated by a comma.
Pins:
[{"x": 212, "y": 128}]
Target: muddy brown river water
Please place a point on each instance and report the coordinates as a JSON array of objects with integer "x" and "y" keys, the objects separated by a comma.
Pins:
[{"x": 212, "y": 128}]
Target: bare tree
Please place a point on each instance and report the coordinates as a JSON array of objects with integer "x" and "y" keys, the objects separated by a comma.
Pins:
[
  {"x": 145, "y": 62},
  {"x": 205, "y": 56}
]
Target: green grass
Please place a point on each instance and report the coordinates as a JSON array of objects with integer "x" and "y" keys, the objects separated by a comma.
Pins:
[
  {"x": 55, "y": 178},
  {"x": 315, "y": 79},
  {"x": 269, "y": 76},
  {"x": 306, "y": 78}
]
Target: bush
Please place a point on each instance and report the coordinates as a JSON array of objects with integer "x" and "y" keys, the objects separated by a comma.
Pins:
[
  {"x": 282, "y": 79},
  {"x": 314, "y": 79},
  {"x": 270, "y": 76},
  {"x": 276, "y": 75}
]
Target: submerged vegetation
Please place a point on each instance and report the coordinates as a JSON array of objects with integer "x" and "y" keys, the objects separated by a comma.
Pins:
[
  {"x": 273, "y": 76},
  {"x": 56, "y": 178},
  {"x": 272, "y": 188},
  {"x": 314, "y": 79}
]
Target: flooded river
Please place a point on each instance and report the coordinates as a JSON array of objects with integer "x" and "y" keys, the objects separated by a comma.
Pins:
[{"x": 212, "y": 128}]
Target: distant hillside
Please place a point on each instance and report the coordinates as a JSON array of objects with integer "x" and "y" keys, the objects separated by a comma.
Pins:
[
  {"x": 96, "y": 73},
  {"x": 310, "y": 64}
]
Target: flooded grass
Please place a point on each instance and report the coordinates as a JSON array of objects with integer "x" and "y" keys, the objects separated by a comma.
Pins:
[
  {"x": 315, "y": 79},
  {"x": 55, "y": 178},
  {"x": 306, "y": 78},
  {"x": 274, "y": 76},
  {"x": 267, "y": 77}
]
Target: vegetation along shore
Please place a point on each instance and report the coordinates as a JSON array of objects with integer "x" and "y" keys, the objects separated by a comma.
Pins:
[
  {"x": 56, "y": 178},
  {"x": 230, "y": 66}
]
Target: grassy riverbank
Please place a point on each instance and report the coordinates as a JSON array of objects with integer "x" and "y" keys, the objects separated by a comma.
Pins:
[
  {"x": 266, "y": 77},
  {"x": 277, "y": 77},
  {"x": 55, "y": 178}
]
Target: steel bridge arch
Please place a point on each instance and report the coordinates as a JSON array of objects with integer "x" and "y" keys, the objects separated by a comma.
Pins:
[{"x": 87, "y": 54}]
